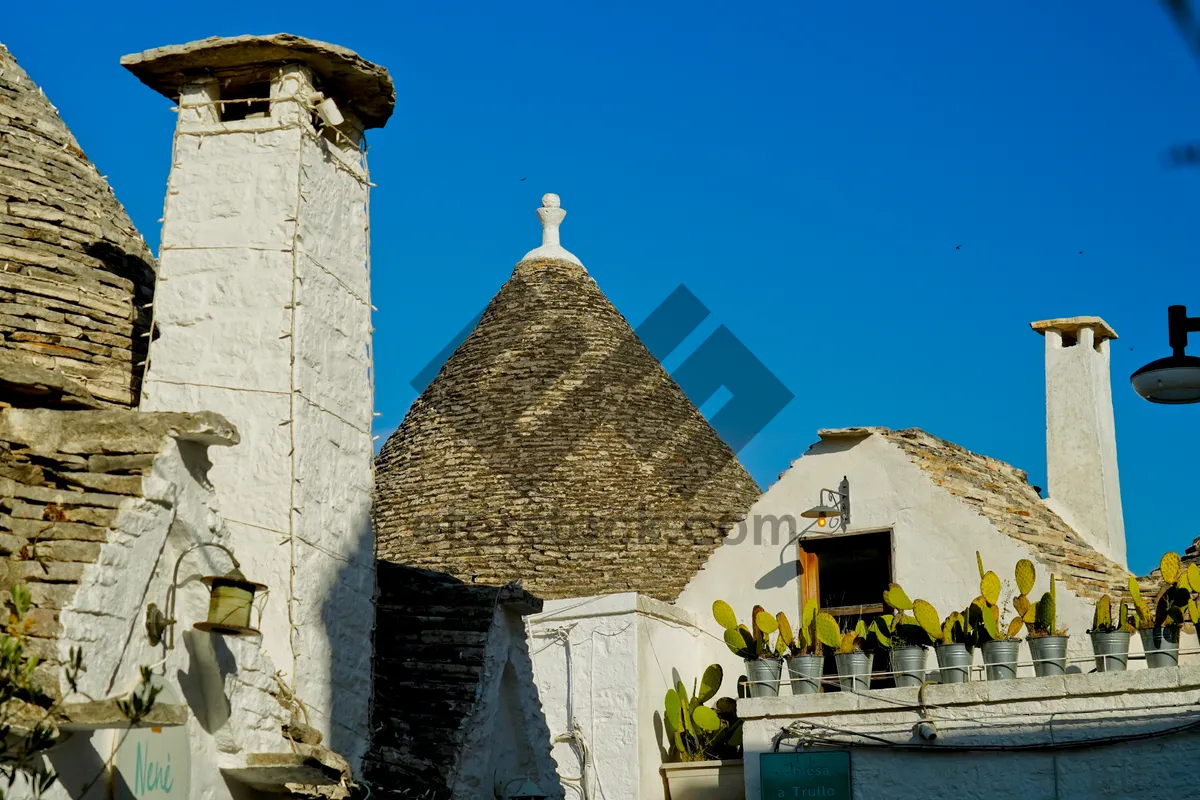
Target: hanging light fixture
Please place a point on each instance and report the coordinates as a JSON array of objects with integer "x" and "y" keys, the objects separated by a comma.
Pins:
[
  {"x": 231, "y": 600},
  {"x": 832, "y": 508},
  {"x": 1175, "y": 379}
]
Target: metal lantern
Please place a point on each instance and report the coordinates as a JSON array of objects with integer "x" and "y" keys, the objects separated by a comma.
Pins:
[
  {"x": 231, "y": 599},
  {"x": 230, "y": 604}
]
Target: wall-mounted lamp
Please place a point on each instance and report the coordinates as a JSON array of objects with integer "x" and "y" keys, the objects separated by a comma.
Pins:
[
  {"x": 832, "y": 508},
  {"x": 231, "y": 600},
  {"x": 1176, "y": 378}
]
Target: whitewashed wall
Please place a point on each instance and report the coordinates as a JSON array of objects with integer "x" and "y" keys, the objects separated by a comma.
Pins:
[
  {"x": 1038, "y": 713},
  {"x": 226, "y": 683},
  {"x": 603, "y": 664},
  {"x": 935, "y": 538},
  {"x": 263, "y": 315}
]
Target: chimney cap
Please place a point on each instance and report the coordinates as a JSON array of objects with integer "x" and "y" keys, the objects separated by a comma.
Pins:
[
  {"x": 355, "y": 82},
  {"x": 1073, "y": 324}
]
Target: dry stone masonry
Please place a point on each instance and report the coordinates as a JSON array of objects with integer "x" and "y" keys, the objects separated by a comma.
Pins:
[
  {"x": 553, "y": 448},
  {"x": 64, "y": 477},
  {"x": 74, "y": 274}
]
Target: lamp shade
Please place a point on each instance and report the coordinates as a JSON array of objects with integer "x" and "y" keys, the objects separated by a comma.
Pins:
[
  {"x": 816, "y": 512},
  {"x": 1173, "y": 380},
  {"x": 229, "y": 604}
]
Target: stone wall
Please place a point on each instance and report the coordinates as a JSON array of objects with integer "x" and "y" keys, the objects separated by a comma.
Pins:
[
  {"x": 74, "y": 273},
  {"x": 64, "y": 476},
  {"x": 554, "y": 449}
]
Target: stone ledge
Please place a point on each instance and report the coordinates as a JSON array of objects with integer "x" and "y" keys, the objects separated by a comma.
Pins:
[
  {"x": 101, "y": 714},
  {"x": 97, "y": 432},
  {"x": 308, "y": 766},
  {"x": 1019, "y": 690}
]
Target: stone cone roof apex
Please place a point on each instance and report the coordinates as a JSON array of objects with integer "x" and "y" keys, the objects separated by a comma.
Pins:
[{"x": 551, "y": 215}]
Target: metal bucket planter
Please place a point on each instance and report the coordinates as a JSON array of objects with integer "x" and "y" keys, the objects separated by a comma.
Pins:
[
  {"x": 1111, "y": 649},
  {"x": 854, "y": 671},
  {"x": 1161, "y": 646},
  {"x": 705, "y": 780},
  {"x": 908, "y": 665},
  {"x": 806, "y": 673},
  {"x": 1001, "y": 660},
  {"x": 954, "y": 661},
  {"x": 1049, "y": 655},
  {"x": 764, "y": 676}
]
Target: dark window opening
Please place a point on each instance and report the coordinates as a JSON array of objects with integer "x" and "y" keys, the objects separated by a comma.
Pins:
[
  {"x": 1070, "y": 338},
  {"x": 851, "y": 573},
  {"x": 250, "y": 100}
]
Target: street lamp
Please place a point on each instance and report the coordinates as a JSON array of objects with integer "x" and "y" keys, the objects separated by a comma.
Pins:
[{"x": 1175, "y": 379}]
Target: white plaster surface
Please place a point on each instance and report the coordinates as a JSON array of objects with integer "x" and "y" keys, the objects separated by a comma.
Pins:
[
  {"x": 1081, "y": 441},
  {"x": 263, "y": 314},
  {"x": 602, "y": 666},
  {"x": 508, "y": 723},
  {"x": 1037, "y": 713},
  {"x": 934, "y": 539},
  {"x": 226, "y": 683}
]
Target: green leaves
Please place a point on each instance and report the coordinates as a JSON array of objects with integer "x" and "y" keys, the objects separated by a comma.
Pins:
[
  {"x": 828, "y": 632},
  {"x": 21, "y": 600},
  {"x": 927, "y": 617},
  {"x": 696, "y": 731},
  {"x": 1026, "y": 576}
]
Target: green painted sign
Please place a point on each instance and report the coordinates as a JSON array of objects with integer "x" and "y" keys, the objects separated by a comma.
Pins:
[{"x": 823, "y": 773}]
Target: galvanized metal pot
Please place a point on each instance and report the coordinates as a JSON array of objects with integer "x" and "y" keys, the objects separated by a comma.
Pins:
[
  {"x": 1049, "y": 655},
  {"x": 1111, "y": 649},
  {"x": 764, "y": 676},
  {"x": 854, "y": 673},
  {"x": 908, "y": 665},
  {"x": 1001, "y": 660},
  {"x": 954, "y": 660},
  {"x": 806, "y": 673},
  {"x": 1161, "y": 646}
]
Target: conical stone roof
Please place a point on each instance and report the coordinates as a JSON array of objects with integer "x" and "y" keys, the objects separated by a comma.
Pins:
[
  {"x": 554, "y": 449},
  {"x": 74, "y": 272}
]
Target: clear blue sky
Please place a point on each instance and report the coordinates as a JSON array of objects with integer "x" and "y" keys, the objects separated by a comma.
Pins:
[{"x": 806, "y": 168}]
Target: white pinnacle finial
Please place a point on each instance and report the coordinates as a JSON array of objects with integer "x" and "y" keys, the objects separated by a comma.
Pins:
[{"x": 551, "y": 215}]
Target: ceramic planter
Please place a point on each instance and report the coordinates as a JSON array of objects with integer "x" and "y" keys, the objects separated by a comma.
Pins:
[
  {"x": 1049, "y": 655},
  {"x": 854, "y": 672},
  {"x": 764, "y": 674},
  {"x": 1161, "y": 646},
  {"x": 704, "y": 780},
  {"x": 805, "y": 672},
  {"x": 1001, "y": 660},
  {"x": 1111, "y": 649},
  {"x": 954, "y": 662},
  {"x": 908, "y": 665}
]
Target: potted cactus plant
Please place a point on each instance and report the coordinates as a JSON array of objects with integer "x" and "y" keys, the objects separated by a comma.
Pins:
[
  {"x": 1047, "y": 643},
  {"x": 955, "y": 648},
  {"x": 1159, "y": 627},
  {"x": 908, "y": 636},
  {"x": 805, "y": 662},
  {"x": 1110, "y": 635},
  {"x": 705, "y": 743},
  {"x": 764, "y": 659},
  {"x": 854, "y": 673},
  {"x": 1000, "y": 645}
]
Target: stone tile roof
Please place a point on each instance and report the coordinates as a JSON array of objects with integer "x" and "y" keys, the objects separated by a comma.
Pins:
[
  {"x": 74, "y": 270},
  {"x": 1001, "y": 493},
  {"x": 430, "y": 640},
  {"x": 64, "y": 476},
  {"x": 553, "y": 448}
]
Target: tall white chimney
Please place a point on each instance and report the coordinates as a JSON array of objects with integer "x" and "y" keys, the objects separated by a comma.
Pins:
[
  {"x": 1081, "y": 442},
  {"x": 262, "y": 312}
]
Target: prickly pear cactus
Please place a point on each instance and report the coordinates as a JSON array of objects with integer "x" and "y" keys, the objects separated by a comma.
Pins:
[
  {"x": 927, "y": 617},
  {"x": 828, "y": 632},
  {"x": 1026, "y": 576},
  {"x": 895, "y": 597}
]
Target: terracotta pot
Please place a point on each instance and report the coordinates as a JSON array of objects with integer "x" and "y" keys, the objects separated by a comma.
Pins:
[{"x": 704, "y": 780}]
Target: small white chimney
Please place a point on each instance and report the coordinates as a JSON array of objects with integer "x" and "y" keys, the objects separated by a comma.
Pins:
[{"x": 1081, "y": 443}]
